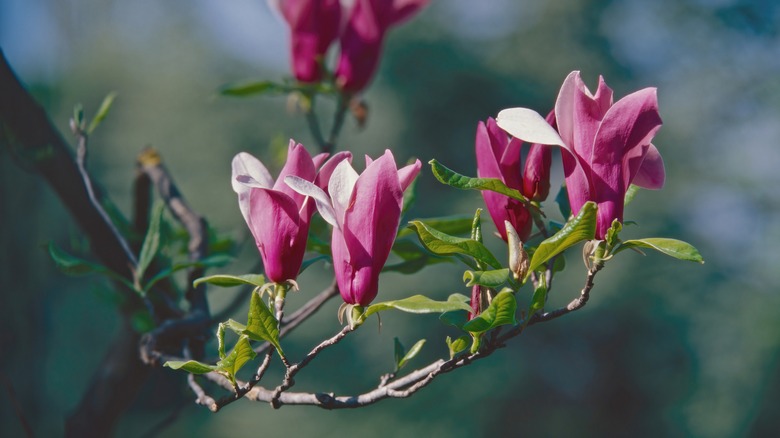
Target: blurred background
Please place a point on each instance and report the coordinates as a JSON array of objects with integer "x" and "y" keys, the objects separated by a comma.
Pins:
[{"x": 664, "y": 348}]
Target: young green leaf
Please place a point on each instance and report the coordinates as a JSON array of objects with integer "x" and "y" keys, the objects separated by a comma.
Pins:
[
  {"x": 262, "y": 324},
  {"x": 671, "y": 247},
  {"x": 457, "y": 345},
  {"x": 72, "y": 265},
  {"x": 192, "y": 366},
  {"x": 410, "y": 354},
  {"x": 580, "y": 228},
  {"x": 500, "y": 312},
  {"x": 398, "y": 352},
  {"x": 458, "y": 181},
  {"x": 214, "y": 260},
  {"x": 253, "y": 88},
  {"x": 444, "y": 244},
  {"x": 449, "y": 224},
  {"x": 224, "y": 280},
  {"x": 630, "y": 194},
  {"x": 539, "y": 299},
  {"x": 102, "y": 112},
  {"x": 151, "y": 242},
  {"x": 420, "y": 304},
  {"x": 241, "y": 354},
  {"x": 492, "y": 279}
]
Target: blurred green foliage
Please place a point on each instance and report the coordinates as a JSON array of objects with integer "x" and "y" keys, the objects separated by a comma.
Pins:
[{"x": 664, "y": 348}]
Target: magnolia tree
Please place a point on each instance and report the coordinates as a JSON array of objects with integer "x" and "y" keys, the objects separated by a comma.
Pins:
[{"x": 607, "y": 155}]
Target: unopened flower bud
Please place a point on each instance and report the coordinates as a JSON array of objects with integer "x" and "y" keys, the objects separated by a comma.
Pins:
[{"x": 518, "y": 258}]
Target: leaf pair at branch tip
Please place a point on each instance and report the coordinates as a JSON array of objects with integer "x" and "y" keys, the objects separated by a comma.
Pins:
[
  {"x": 453, "y": 179},
  {"x": 443, "y": 244}
]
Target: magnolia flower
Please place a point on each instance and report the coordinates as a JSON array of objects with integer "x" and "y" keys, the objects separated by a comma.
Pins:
[
  {"x": 277, "y": 216},
  {"x": 314, "y": 25},
  {"x": 361, "y": 40},
  {"x": 606, "y": 146},
  {"x": 498, "y": 157},
  {"x": 365, "y": 211}
]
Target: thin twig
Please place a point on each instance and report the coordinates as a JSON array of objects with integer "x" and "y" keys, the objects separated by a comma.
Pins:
[
  {"x": 202, "y": 398},
  {"x": 289, "y": 380},
  {"x": 81, "y": 160}
]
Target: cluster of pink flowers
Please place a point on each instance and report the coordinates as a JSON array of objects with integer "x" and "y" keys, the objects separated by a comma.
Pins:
[
  {"x": 364, "y": 209},
  {"x": 360, "y": 30},
  {"x": 605, "y": 147}
]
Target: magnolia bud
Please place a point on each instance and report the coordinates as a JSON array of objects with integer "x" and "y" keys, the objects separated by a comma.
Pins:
[{"x": 518, "y": 258}]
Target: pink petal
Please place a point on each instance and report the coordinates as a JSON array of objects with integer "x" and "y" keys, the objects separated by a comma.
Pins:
[
  {"x": 371, "y": 222},
  {"x": 340, "y": 187},
  {"x": 313, "y": 27},
  {"x": 300, "y": 164},
  {"x": 651, "y": 173},
  {"x": 621, "y": 142},
  {"x": 278, "y": 232},
  {"x": 408, "y": 173}
]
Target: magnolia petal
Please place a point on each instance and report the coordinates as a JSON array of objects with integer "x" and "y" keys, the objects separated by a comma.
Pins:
[
  {"x": 487, "y": 161},
  {"x": 527, "y": 125},
  {"x": 651, "y": 173},
  {"x": 278, "y": 232},
  {"x": 246, "y": 164},
  {"x": 622, "y": 141},
  {"x": 371, "y": 221},
  {"x": 340, "y": 186},
  {"x": 323, "y": 176},
  {"x": 300, "y": 164},
  {"x": 408, "y": 173},
  {"x": 321, "y": 199}
]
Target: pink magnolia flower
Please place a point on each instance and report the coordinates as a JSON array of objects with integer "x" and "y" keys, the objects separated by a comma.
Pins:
[
  {"x": 498, "y": 157},
  {"x": 314, "y": 25},
  {"x": 361, "y": 40},
  {"x": 277, "y": 216},
  {"x": 365, "y": 211},
  {"x": 607, "y": 146}
]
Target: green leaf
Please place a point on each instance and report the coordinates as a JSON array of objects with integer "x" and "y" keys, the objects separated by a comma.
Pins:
[
  {"x": 151, "y": 242},
  {"x": 214, "y": 260},
  {"x": 454, "y": 179},
  {"x": 410, "y": 196},
  {"x": 476, "y": 226},
  {"x": 241, "y": 354},
  {"x": 580, "y": 228},
  {"x": 671, "y": 247},
  {"x": 193, "y": 366},
  {"x": 262, "y": 324},
  {"x": 612, "y": 233},
  {"x": 235, "y": 326},
  {"x": 444, "y": 244},
  {"x": 492, "y": 279},
  {"x": 398, "y": 352},
  {"x": 224, "y": 280},
  {"x": 455, "y": 318},
  {"x": 449, "y": 224},
  {"x": 539, "y": 299},
  {"x": 410, "y": 354},
  {"x": 102, "y": 112},
  {"x": 562, "y": 198},
  {"x": 457, "y": 345},
  {"x": 253, "y": 88},
  {"x": 75, "y": 266},
  {"x": 630, "y": 193},
  {"x": 500, "y": 312},
  {"x": 420, "y": 304}
]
